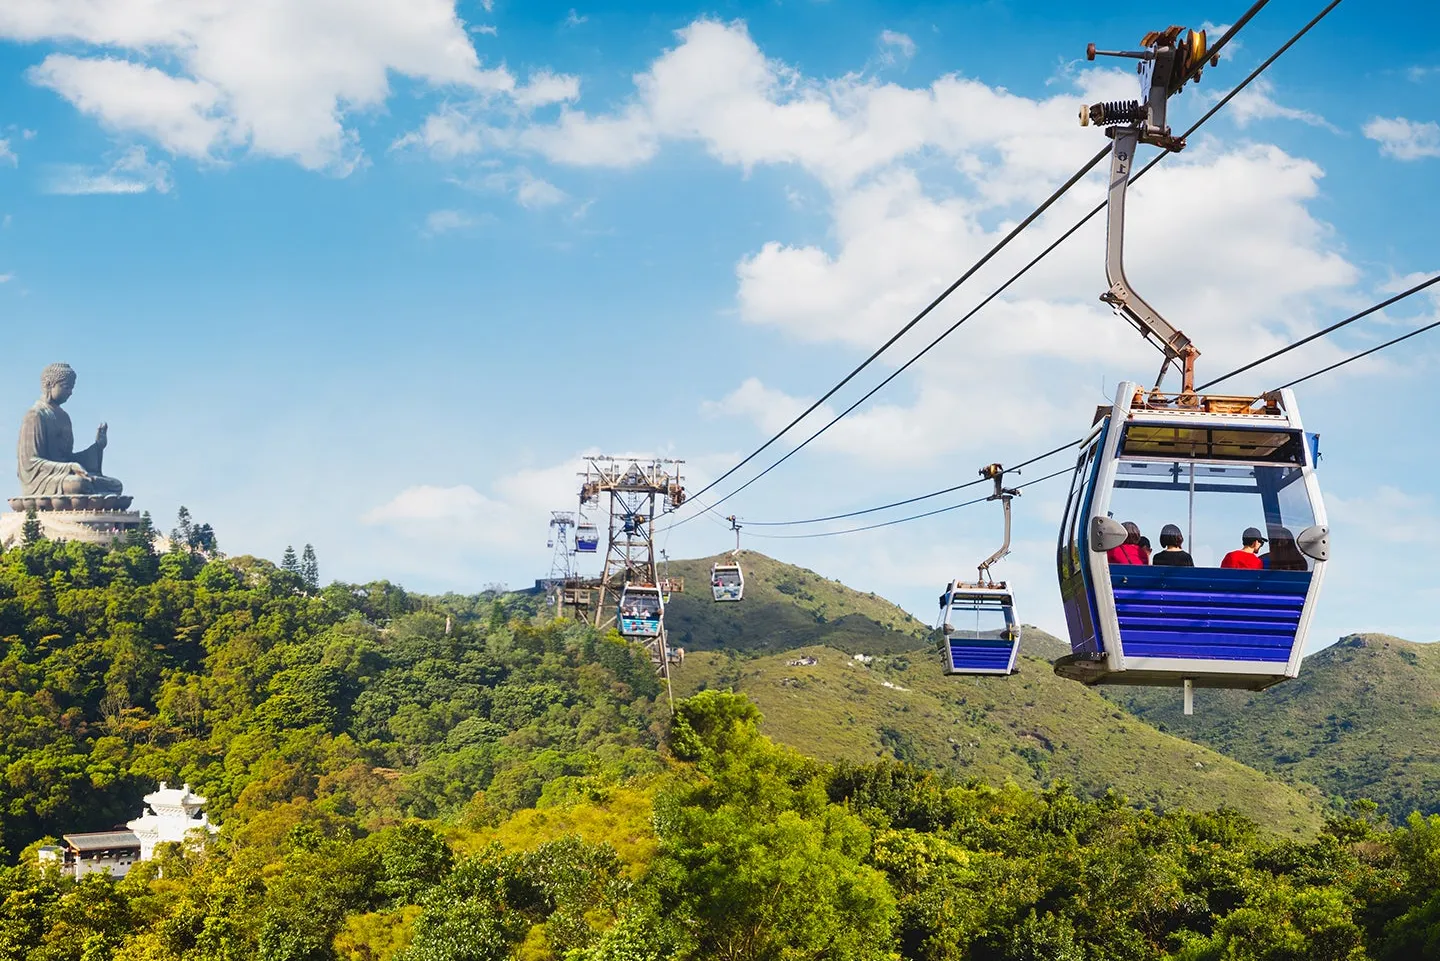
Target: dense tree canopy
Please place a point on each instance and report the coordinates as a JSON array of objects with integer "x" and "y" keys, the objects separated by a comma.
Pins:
[{"x": 455, "y": 779}]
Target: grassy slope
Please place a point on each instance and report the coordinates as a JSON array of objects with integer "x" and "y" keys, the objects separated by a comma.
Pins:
[
  {"x": 1033, "y": 728},
  {"x": 785, "y": 607},
  {"x": 1361, "y": 720}
]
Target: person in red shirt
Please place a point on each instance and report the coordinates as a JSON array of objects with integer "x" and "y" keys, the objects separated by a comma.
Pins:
[
  {"x": 1248, "y": 557},
  {"x": 1128, "y": 552}
]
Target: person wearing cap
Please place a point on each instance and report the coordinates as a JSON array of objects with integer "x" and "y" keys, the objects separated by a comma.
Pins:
[
  {"x": 1172, "y": 552},
  {"x": 1248, "y": 557}
]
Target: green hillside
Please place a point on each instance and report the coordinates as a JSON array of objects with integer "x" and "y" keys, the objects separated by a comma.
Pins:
[
  {"x": 1032, "y": 728},
  {"x": 785, "y": 607},
  {"x": 1361, "y": 720}
]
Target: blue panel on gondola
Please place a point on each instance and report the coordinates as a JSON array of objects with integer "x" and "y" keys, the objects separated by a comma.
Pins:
[
  {"x": 1209, "y": 613},
  {"x": 639, "y": 627},
  {"x": 972, "y": 655}
]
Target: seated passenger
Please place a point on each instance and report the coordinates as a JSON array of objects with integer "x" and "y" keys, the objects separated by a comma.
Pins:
[
  {"x": 1145, "y": 550},
  {"x": 1172, "y": 553},
  {"x": 1248, "y": 557},
  {"x": 1284, "y": 555},
  {"x": 1128, "y": 552}
]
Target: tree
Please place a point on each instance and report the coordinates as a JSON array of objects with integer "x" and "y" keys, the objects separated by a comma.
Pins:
[
  {"x": 310, "y": 569},
  {"x": 184, "y": 532},
  {"x": 288, "y": 563},
  {"x": 31, "y": 532}
]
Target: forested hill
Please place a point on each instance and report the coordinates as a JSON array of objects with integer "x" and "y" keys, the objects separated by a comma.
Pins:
[
  {"x": 400, "y": 778},
  {"x": 1361, "y": 720},
  {"x": 785, "y": 606},
  {"x": 1031, "y": 728}
]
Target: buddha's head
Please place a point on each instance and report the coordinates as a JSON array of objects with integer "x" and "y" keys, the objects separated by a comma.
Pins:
[{"x": 57, "y": 383}]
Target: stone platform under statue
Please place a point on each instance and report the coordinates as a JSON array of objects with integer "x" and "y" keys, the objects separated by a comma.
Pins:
[
  {"x": 66, "y": 489},
  {"x": 86, "y": 526}
]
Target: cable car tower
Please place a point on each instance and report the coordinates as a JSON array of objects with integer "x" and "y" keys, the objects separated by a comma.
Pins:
[
  {"x": 639, "y": 489},
  {"x": 561, "y": 567}
]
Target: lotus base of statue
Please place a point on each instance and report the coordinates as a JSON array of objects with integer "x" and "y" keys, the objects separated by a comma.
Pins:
[{"x": 70, "y": 502}]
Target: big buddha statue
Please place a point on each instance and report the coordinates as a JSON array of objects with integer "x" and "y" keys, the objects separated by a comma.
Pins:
[{"x": 53, "y": 475}]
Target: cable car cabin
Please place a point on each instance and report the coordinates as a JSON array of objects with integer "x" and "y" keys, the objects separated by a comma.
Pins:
[
  {"x": 727, "y": 582},
  {"x": 1211, "y": 470},
  {"x": 641, "y": 611},
  {"x": 981, "y": 633},
  {"x": 587, "y": 538}
]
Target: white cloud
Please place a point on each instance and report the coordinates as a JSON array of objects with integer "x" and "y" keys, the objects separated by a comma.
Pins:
[
  {"x": 544, "y": 88},
  {"x": 531, "y": 191},
  {"x": 1420, "y": 74},
  {"x": 573, "y": 19},
  {"x": 132, "y": 173},
  {"x": 459, "y": 517},
  {"x": 179, "y": 113},
  {"x": 895, "y": 47},
  {"x": 1257, "y": 102},
  {"x": 8, "y": 156},
  {"x": 447, "y": 134},
  {"x": 206, "y": 75},
  {"x": 447, "y": 221},
  {"x": 578, "y": 139},
  {"x": 6, "y": 278},
  {"x": 1404, "y": 139},
  {"x": 486, "y": 29}
]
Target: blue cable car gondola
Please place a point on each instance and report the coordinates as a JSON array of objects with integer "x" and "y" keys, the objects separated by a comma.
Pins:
[
  {"x": 982, "y": 635},
  {"x": 587, "y": 538},
  {"x": 1219, "y": 469},
  {"x": 641, "y": 611},
  {"x": 1217, "y": 464}
]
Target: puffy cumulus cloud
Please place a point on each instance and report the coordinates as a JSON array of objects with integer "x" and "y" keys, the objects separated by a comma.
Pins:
[
  {"x": 1404, "y": 139},
  {"x": 132, "y": 173},
  {"x": 717, "y": 87},
  {"x": 200, "y": 77},
  {"x": 7, "y": 154},
  {"x": 461, "y": 518}
]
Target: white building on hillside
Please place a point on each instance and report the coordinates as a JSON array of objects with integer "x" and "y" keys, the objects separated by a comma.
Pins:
[{"x": 173, "y": 814}]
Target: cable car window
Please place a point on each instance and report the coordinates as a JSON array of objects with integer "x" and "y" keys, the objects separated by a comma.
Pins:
[
  {"x": 979, "y": 619},
  {"x": 645, "y": 605},
  {"x": 724, "y": 578},
  {"x": 1265, "y": 445},
  {"x": 1071, "y": 556},
  {"x": 1213, "y": 504}
]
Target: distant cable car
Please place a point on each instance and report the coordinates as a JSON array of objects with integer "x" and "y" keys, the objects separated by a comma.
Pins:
[
  {"x": 982, "y": 635},
  {"x": 727, "y": 580},
  {"x": 641, "y": 611},
  {"x": 587, "y": 538},
  {"x": 1219, "y": 464}
]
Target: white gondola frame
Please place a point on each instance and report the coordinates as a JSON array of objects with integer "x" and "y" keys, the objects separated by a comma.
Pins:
[{"x": 1120, "y": 669}]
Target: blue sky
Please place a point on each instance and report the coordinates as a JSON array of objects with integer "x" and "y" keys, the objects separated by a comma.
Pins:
[{"x": 379, "y": 293}]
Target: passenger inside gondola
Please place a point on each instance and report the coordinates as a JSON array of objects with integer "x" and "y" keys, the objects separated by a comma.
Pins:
[
  {"x": 1284, "y": 554},
  {"x": 1128, "y": 552},
  {"x": 1248, "y": 557},
  {"x": 1172, "y": 549}
]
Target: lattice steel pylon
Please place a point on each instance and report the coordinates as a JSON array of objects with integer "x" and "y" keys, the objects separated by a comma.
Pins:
[
  {"x": 562, "y": 565},
  {"x": 639, "y": 489}
]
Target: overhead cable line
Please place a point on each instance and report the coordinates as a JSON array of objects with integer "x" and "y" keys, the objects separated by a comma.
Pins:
[
  {"x": 908, "y": 500},
  {"x": 1000, "y": 245},
  {"x": 912, "y": 517},
  {"x": 1363, "y": 353},
  {"x": 1067, "y": 446},
  {"x": 1219, "y": 105},
  {"x": 1327, "y": 330}
]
